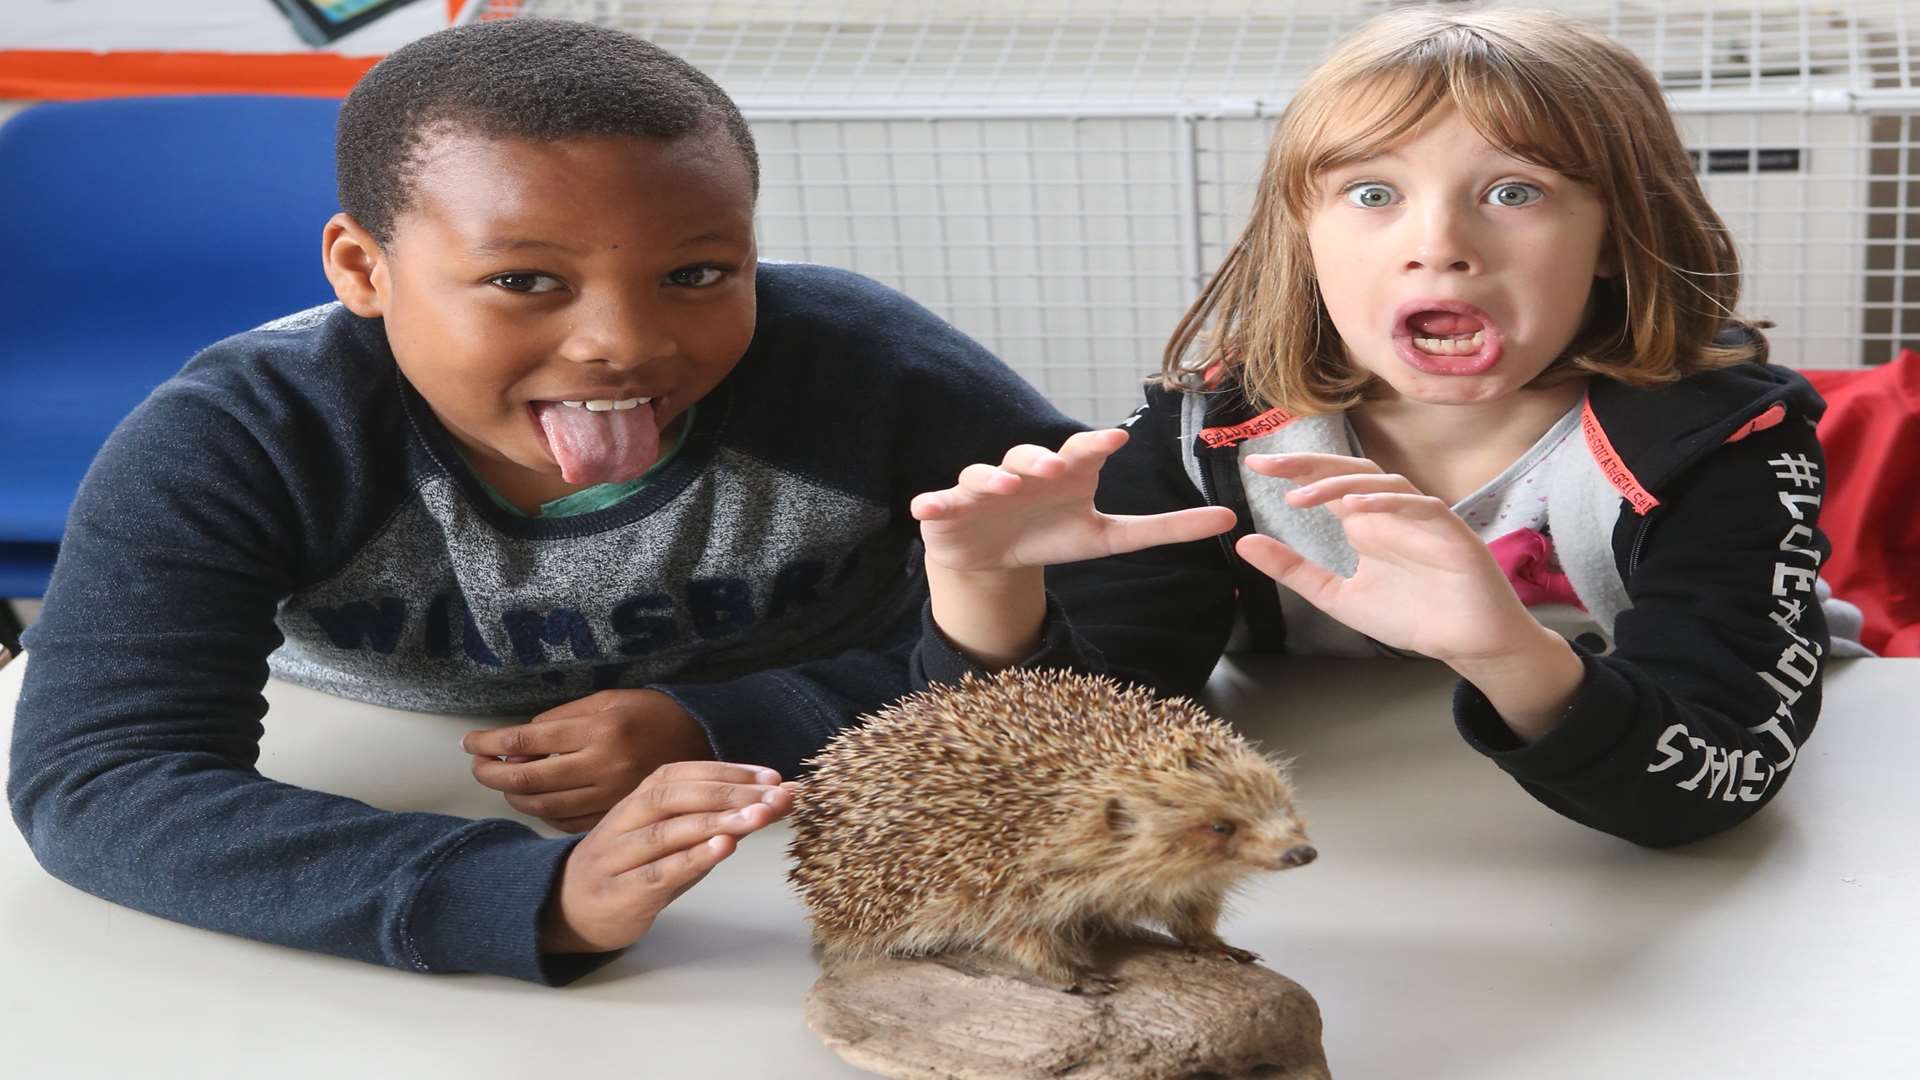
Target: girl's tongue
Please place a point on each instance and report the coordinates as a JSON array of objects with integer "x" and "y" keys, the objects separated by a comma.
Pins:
[
  {"x": 599, "y": 447},
  {"x": 1443, "y": 324}
]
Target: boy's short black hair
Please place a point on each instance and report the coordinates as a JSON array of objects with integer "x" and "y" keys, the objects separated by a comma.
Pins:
[{"x": 536, "y": 79}]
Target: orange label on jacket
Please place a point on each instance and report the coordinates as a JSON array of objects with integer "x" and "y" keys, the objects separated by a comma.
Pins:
[
  {"x": 1616, "y": 470},
  {"x": 1271, "y": 420},
  {"x": 1775, "y": 413}
]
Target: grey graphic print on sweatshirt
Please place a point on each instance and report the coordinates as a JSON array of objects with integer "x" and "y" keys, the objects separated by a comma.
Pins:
[{"x": 444, "y": 613}]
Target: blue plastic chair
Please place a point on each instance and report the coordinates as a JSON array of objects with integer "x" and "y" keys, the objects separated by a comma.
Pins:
[{"x": 137, "y": 232}]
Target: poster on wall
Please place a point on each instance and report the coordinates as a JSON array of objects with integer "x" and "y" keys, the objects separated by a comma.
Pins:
[
  {"x": 321, "y": 21},
  {"x": 57, "y": 49}
]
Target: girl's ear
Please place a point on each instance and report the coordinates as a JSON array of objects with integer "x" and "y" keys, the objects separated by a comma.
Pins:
[{"x": 355, "y": 265}]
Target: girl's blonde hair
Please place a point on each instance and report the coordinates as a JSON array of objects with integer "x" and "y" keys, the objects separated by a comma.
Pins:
[{"x": 1540, "y": 86}]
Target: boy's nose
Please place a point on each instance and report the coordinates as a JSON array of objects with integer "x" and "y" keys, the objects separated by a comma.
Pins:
[{"x": 622, "y": 335}]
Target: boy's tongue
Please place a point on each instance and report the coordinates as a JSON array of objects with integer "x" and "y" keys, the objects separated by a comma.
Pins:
[
  {"x": 1443, "y": 324},
  {"x": 600, "y": 447}
]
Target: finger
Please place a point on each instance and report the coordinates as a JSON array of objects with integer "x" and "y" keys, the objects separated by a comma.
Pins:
[
  {"x": 1132, "y": 533},
  {"x": 1029, "y": 460},
  {"x": 558, "y": 772},
  {"x": 1315, "y": 583},
  {"x": 628, "y": 850},
  {"x": 560, "y": 805},
  {"x": 980, "y": 479},
  {"x": 1401, "y": 504},
  {"x": 651, "y": 803},
  {"x": 671, "y": 875},
  {"x": 1334, "y": 487},
  {"x": 728, "y": 772},
  {"x": 977, "y": 482},
  {"x": 523, "y": 740},
  {"x": 1088, "y": 446},
  {"x": 931, "y": 505},
  {"x": 1306, "y": 468}
]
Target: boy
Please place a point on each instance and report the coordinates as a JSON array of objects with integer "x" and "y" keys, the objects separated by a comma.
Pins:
[{"x": 563, "y": 449}]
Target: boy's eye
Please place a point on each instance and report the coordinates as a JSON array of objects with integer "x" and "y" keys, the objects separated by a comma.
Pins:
[
  {"x": 1514, "y": 193},
  {"x": 526, "y": 282},
  {"x": 1369, "y": 195},
  {"x": 695, "y": 277}
]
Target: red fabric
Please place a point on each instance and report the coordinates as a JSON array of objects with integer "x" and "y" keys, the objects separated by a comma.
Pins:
[
  {"x": 1526, "y": 556},
  {"x": 1871, "y": 435}
]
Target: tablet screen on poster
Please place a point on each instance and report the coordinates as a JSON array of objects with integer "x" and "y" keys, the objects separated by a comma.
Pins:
[{"x": 321, "y": 21}]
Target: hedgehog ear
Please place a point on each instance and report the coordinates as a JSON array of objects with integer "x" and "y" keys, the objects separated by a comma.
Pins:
[{"x": 1119, "y": 818}]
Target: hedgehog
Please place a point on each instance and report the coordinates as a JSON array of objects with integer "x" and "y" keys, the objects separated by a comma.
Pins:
[{"x": 1028, "y": 813}]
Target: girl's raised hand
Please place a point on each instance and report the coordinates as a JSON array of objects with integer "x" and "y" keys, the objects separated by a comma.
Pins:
[
  {"x": 1424, "y": 580},
  {"x": 1036, "y": 509}
]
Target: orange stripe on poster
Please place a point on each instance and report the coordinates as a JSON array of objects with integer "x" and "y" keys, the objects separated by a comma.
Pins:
[{"x": 62, "y": 75}]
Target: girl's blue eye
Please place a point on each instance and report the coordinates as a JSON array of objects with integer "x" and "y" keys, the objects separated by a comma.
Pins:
[
  {"x": 526, "y": 282},
  {"x": 1370, "y": 196},
  {"x": 696, "y": 277},
  {"x": 1514, "y": 193}
]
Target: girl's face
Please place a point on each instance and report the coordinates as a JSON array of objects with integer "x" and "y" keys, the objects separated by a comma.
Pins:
[{"x": 1454, "y": 272}]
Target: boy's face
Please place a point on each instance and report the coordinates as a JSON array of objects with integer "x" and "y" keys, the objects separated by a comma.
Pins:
[{"x": 613, "y": 272}]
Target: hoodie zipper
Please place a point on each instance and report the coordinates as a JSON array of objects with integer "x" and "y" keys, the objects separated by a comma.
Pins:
[
  {"x": 1639, "y": 541},
  {"x": 1204, "y": 454}
]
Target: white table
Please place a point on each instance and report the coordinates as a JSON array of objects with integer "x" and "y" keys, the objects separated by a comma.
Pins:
[{"x": 1451, "y": 928}]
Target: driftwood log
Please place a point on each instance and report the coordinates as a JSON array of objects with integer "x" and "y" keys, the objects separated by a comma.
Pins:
[{"x": 1174, "y": 1016}]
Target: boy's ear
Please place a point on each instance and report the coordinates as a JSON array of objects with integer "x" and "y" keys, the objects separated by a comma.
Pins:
[{"x": 355, "y": 265}]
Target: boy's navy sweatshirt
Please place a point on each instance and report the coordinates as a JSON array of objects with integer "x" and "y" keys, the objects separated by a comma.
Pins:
[{"x": 288, "y": 505}]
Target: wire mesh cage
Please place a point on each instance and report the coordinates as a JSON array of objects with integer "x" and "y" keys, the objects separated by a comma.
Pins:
[{"x": 1058, "y": 177}]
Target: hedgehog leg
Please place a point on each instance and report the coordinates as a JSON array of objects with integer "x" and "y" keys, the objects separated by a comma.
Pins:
[
  {"x": 1192, "y": 922},
  {"x": 1053, "y": 961}
]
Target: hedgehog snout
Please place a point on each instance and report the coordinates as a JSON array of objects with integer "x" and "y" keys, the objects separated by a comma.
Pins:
[
  {"x": 1279, "y": 848},
  {"x": 1279, "y": 857}
]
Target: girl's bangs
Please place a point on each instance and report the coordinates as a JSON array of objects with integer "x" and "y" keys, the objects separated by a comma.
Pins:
[
  {"x": 1357, "y": 119},
  {"x": 1368, "y": 114},
  {"x": 1525, "y": 120}
]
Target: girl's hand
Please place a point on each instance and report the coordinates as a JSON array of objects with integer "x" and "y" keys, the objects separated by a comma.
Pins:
[
  {"x": 1036, "y": 509},
  {"x": 1424, "y": 581}
]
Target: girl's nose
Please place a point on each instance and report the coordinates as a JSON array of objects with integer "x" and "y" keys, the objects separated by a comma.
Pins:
[{"x": 1442, "y": 241}]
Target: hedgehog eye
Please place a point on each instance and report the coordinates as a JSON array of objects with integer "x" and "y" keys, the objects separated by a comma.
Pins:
[{"x": 1223, "y": 827}]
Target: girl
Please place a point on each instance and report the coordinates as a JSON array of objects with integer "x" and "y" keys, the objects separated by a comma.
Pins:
[{"x": 1470, "y": 386}]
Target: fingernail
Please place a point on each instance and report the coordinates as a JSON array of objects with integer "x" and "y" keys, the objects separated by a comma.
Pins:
[
  {"x": 771, "y": 796},
  {"x": 767, "y": 776}
]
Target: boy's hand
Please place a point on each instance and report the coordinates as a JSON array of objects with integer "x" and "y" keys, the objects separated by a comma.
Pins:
[
  {"x": 661, "y": 839},
  {"x": 1036, "y": 509},
  {"x": 569, "y": 765},
  {"x": 1425, "y": 581}
]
